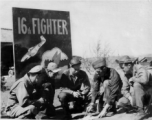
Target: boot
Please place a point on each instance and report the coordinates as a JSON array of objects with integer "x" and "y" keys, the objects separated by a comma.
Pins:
[
  {"x": 111, "y": 111},
  {"x": 67, "y": 114}
]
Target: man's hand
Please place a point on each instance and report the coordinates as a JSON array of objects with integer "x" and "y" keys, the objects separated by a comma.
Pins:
[
  {"x": 32, "y": 109},
  {"x": 76, "y": 94},
  {"x": 17, "y": 111},
  {"x": 41, "y": 100},
  {"x": 90, "y": 108},
  {"x": 89, "y": 95},
  {"x": 103, "y": 112}
]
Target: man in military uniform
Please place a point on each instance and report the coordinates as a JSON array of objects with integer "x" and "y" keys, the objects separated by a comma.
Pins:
[
  {"x": 75, "y": 86},
  {"x": 126, "y": 101},
  {"x": 49, "y": 76},
  {"x": 21, "y": 103},
  {"x": 138, "y": 77},
  {"x": 32, "y": 95},
  {"x": 107, "y": 85}
]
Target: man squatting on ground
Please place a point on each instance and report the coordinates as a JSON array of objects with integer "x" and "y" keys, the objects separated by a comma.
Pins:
[
  {"x": 49, "y": 77},
  {"x": 30, "y": 96},
  {"x": 75, "y": 86},
  {"x": 138, "y": 77},
  {"x": 109, "y": 80}
]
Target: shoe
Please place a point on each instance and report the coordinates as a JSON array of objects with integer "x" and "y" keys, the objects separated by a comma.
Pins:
[
  {"x": 50, "y": 111},
  {"x": 140, "y": 115},
  {"x": 128, "y": 109},
  {"x": 67, "y": 116},
  {"x": 109, "y": 114},
  {"x": 122, "y": 110},
  {"x": 112, "y": 110},
  {"x": 132, "y": 109},
  {"x": 78, "y": 109}
]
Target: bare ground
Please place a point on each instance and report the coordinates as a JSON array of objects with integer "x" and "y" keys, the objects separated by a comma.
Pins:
[{"x": 60, "y": 112}]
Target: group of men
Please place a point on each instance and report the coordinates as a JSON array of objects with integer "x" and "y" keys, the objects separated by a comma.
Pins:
[{"x": 32, "y": 96}]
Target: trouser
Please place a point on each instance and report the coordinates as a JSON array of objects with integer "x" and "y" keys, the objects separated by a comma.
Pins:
[
  {"x": 104, "y": 97},
  {"x": 43, "y": 110},
  {"x": 106, "y": 90},
  {"x": 65, "y": 98},
  {"x": 123, "y": 102},
  {"x": 44, "y": 113},
  {"x": 138, "y": 97},
  {"x": 47, "y": 109},
  {"x": 139, "y": 92},
  {"x": 22, "y": 112}
]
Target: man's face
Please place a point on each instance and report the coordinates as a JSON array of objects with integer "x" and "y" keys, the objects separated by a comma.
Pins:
[
  {"x": 37, "y": 79},
  {"x": 75, "y": 69},
  {"x": 100, "y": 71},
  {"x": 127, "y": 68}
]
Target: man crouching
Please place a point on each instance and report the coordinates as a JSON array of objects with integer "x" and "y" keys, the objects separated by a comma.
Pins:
[
  {"x": 107, "y": 79},
  {"x": 25, "y": 101},
  {"x": 75, "y": 86}
]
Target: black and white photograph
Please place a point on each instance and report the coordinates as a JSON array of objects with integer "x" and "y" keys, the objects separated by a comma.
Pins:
[{"x": 76, "y": 59}]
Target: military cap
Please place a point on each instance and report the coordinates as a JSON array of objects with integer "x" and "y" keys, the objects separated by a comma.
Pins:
[
  {"x": 99, "y": 63},
  {"x": 36, "y": 69},
  {"x": 126, "y": 59},
  {"x": 75, "y": 61},
  {"x": 53, "y": 67}
]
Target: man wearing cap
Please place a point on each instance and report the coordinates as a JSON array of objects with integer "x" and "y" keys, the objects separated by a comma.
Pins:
[
  {"x": 51, "y": 71},
  {"x": 138, "y": 77},
  {"x": 126, "y": 101},
  {"x": 75, "y": 86},
  {"x": 21, "y": 102},
  {"x": 109, "y": 81}
]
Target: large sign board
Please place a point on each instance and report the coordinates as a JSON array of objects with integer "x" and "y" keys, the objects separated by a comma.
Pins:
[{"x": 40, "y": 35}]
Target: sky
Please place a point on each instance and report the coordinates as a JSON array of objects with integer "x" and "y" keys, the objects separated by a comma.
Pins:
[{"x": 124, "y": 25}]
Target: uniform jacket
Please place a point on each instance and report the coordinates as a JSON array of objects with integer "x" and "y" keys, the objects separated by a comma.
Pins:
[
  {"x": 114, "y": 85},
  {"x": 127, "y": 89},
  {"x": 70, "y": 83},
  {"x": 21, "y": 93},
  {"x": 141, "y": 75}
]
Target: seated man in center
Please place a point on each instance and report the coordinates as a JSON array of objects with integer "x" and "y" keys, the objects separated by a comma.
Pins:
[{"x": 75, "y": 86}]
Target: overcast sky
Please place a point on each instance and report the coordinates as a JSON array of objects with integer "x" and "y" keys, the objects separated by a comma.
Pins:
[{"x": 125, "y": 25}]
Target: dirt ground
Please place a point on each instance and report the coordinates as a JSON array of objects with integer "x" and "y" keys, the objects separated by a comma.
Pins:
[
  {"x": 119, "y": 116},
  {"x": 60, "y": 112}
]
